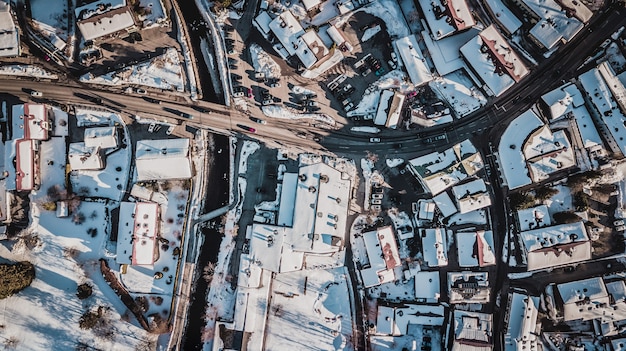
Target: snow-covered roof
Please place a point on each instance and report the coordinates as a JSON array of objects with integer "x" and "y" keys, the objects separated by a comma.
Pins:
[
  {"x": 533, "y": 218},
  {"x": 472, "y": 331},
  {"x": 151, "y": 155},
  {"x": 522, "y": 324},
  {"x": 582, "y": 299},
  {"x": 618, "y": 344},
  {"x": 503, "y": 15},
  {"x": 445, "y": 205},
  {"x": 30, "y": 121},
  {"x": 310, "y": 4},
  {"x": 469, "y": 287},
  {"x": 475, "y": 249},
  {"x": 554, "y": 23},
  {"x": 315, "y": 44},
  {"x": 97, "y": 7},
  {"x": 427, "y": 286},
  {"x": 270, "y": 249},
  {"x": 9, "y": 35},
  {"x": 459, "y": 91},
  {"x": 82, "y": 157},
  {"x": 434, "y": 246},
  {"x": 383, "y": 255},
  {"x": 446, "y": 17},
  {"x": 335, "y": 35},
  {"x": 395, "y": 320},
  {"x": 383, "y": 107},
  {"x": 426, "y": 209},
  {"x": 562, "y": 100},
  {"x": 577, "y": 8},
  {"x": 287, "y": 200},
  {"x": 555, "y": 246},
  {"x": 102, "y": 137},
  {"x": 394, "y": 110},
  {"x": 510, "y": 149},
  {"x": 413, "y": 60},
  {"x": 445, "y": 52},
  {"x": 607, "y": 93},
  {"x": 137, "y": 231},
  {"x": 471, "y": 196},
  {"x": 289, "y": 32},
  {"x": 547, "y": 153},
  {"x": 493, "y": 60},
  {"x": 25, "y": 166},
  {"x": 263, "y": 21},
  {"x": 105, "y": 23}
]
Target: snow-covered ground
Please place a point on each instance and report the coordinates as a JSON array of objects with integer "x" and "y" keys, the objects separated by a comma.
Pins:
[
  {"x": 615, "y": 58},
  {"x": 51, "y": 18},
  {"x": 155, "y": 13},
  {"x": 460, "y": 93},
  {"x": 162, "y": 72},
  {"x": 561, "y": 201},
  {"x": 389, "y": 11},
  {"x": 263, "y": 62},
  {"x": 276, "y": 111},
  {"x": 370, "y": 32},
  {"x": 26, "y": 71}
]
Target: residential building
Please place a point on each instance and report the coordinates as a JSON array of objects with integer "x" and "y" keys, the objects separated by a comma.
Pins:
[
  {"x": 557, "y": 245},
  {"x": 434, "y": 247},
  {"x": 469, "y": 287},
  {"x": 445, "y": 18},
  {"x": 9, "y": 31},
  {"x": 105, "y": 19},
  {"x": 471, "y": 196},
  {"x": 521, "y": 323},
  {"x": 503, "y": 16},
  {"x": 137, "y": 233},
  {"x": 413, "y": 60},
  {"x": 151, "y": 155},
  {"x": 475, "y": 248},
  {"x": 395, "y": 321},
  {"x": 306, "y": 45},
  {"x": 473, "y": 331}
]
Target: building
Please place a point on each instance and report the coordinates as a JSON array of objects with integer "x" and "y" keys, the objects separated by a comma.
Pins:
[
  {"x": 555, "y": 21},
  {"x": 306, "y": 45},
  {"x": 383, "y": 256},
  {"x": 521, "y": 324},
  {"x": 547, "y": 152},
  {"x": 475, "y": 248},
  {"x": 473, "y": 331},
  {"x": 395, "y": 320},
  {"x": 9, "y": 32},
  {"x": 533, "y": 218},
  {"x": 471, "y": 196},
  {"x": 83, "y": 158},
  {"x": 469, "y": 287},
  {"x": 426, "y": 210},
  {"x": 151, "y": 155},
  {"x": 445, "y": 204},
  {"x": 492, "y": 59},
  {"x": 556, "y": 245},
  {"x": 445, "y": 18},
  {"x": 101, "y": 137},
  {"x": 137, "y": 233},
  {"x": 389, "y": 108},
  {"x": 427, "y": 288},
  {"x": 413, "y": 60},
  {"x": 438, "y": 171},
  {"x": 105, "y": 19},
  {"x": 434, "y": 247},
  {"x": 503, "y": 16}
]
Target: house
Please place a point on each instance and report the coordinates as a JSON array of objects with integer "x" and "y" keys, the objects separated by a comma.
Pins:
[
  {"x": 445, "y": 205},
  {"x": 472, "y": 331},
  {"x": 307, "y": 46},
  {"x": 383, "y": 255},
  {"x": 389, "y": 108},
  {"x": 475, "y": 248},
  {"x": 83, "y": 158},
  {"x": 151, "y": 155},
  {"x": 9, "y": 32},
  {"x": 427, "y": 288},
  {"x": 471, "y": 196},
  {"x": 413, "y": 60},
  {"x": 521, "y": 325},
  {"x": 533, "y": 218},
  {"x": 492, "y": 59},
  {"x": 469, "y": 287},
  {"x": 137, "y": 233},
  {"x": 445, "y": 18},
  {"x": 557, "y": 245},
  {"x": 395, "y": 320},
  {"x": 426, "y": 210},
  {"x": 434, "y": 247},
  {"x": 101, "y": 137},
  {"x": 105, "y": 19},
  {"x": 547, "y": 152}
]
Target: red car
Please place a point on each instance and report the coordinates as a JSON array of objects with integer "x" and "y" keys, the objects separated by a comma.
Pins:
[
  {"x": 250, "y": 94},
  {"x": 249, "y": 129}
]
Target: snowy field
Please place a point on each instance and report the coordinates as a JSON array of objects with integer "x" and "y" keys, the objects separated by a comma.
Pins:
[
  {"x": 161, "y": 72},
  {"x": 26, "y": 71}
]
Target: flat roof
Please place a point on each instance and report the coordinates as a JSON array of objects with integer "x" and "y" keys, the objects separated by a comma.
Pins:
[
  {"x": 287, "y": 200},
  {"x": 263, "y": 21},
  {"x": 427, "y": 286},
  {"x": 445, "y": 52},
  {"x": 106, "y": 23},
  {"x": 9, "y": 35},
  {"x": 511, "y": 146},
  {"x": 472, "y": 195},
  {"x": 446, "y": 17},
  {"x": 434, "y": 246},
  {"x": 383, "y": 107},
  {"x": 534, "y": 217},
  {"x": 102, "y": 137},
  {"x": 522, "y": 323},
  {"x": 504, "y": 16},
  {"x": 150, "y": 155},
  {"x": 556, "y": 245},
  {"x": 413, "y": 60},
  {"x": 82, "y": 157}
]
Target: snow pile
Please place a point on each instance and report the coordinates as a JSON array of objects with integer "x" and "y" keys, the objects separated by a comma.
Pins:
[
  {"x": 248, "y": 148},
  {"x": 395, "y": 79},
  {"x": 394, "y": 162},
  {"x": 365, "y": 129},
  {"x": 370, "y": 32},
  {"x": 26, "y": 71},
  {"x": 263, "y": 62},
  {"x": 154, "y": 13},
  {"x": 390, "y": 13},
  {"x": 301, "y": 90},
  {"x": 162, "y": 72},
  {"x": 276, "y": 111},
  {"x": 459, "y": 92}
]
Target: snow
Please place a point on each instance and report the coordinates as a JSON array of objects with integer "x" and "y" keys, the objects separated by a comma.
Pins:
[
  {"x": 457, "y": 89},
  {"x": 511, "y": 158},
  {"x": 504, "y": 16},
  {"x": 26, "y": 71},
  {"x": 389, "y": 11},
  {"x": 277, "y": 111},
  {"x": 263, "y": 62},
  {"x": 478, "y": 217},
  {"x": 162, "y": 72},
  {"x": 556, "y": 245},
  {"x": 445, "y": 52},
  {"x": 365, "y": 129},
  {"x": 155, "y": 15},
  {"x": 615, "y": 57},
  {"x": 561, "y": 201},
  {"x": 9, "y": 35},
  {"x": 50, "y": 18},
  {"x": 394, "y": 162},
  {"x": 547, "y": 153},
  {"x": 534, "y": 217},
  {"x": 413, "y": 60},
  {"x": 370, "y": 32},
  {"x": 554, "y": 23}
]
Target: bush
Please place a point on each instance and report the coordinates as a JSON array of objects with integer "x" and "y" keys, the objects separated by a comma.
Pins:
[
  {"x": 15, "y": 277},
  {"x": 84, "y": 290},
  {"x": 89, "y": 320},
  {"x": 581, "y": 178},
  {"x": 566, "y": 217},
  {"x": 521, "y": 200}
]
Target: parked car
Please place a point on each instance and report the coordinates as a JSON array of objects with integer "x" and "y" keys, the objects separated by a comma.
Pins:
[
  {"x": 260, "y": 76},
  {"x": 312, "y": 103},
  {"x": 250, "y": 93},
  {"x": 376, "y": 202},
  {"x": 274, "y": 84},
  {"x": 377, "y": 196},
  {"x": 246, "y": 128},
  {"x": 238, "y": 94},
  {"x": 201, "y": 109},
  {"x": 170, "y": 130},
  {"x": 374, "y": 140},
  {"x": 267, "y": 102},
  {"x": 151, "y": 127},
  {"x": 618, "y": 222},
  {"x": 258, "y": 120}
]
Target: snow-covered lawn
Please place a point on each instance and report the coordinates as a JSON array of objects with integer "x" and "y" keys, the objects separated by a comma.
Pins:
[
  {"x": 561, "y": 201},
  {"x": 263, "y": 62},
  {"x": 26, "y": 71},
  {"x": 460, "y": 93},
  {"x": 162, "y": 72}
]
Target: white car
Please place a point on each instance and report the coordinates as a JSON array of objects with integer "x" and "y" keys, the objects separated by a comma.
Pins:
[
  {"x": 141, "y": 91},
  {"x": 151, "y": 127},
  {"x": 374, "y": 140},
  {"x": 36, "y": 93},
  {"x": 238, "y": 94},
  {"x": 170, "y": 130}
]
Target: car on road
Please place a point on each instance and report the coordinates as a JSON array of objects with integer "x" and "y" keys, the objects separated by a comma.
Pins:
[
  {"x": 258, "y": 120},
  {"x": 201, "y": 109},
  {"x": 141, "y": 91},
  {"x": 36, "y": 93},
  {"x": 434, "y": 139},
  {"x": 170, "y": 130},
  {"x": 374, "y": 140},
  {"x": 246, "y": 128},
  {"x": 311, "y": 103},
  {"x": 151, "y": 100}
]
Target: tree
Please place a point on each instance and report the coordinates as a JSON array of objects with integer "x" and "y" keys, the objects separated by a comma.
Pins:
[
  {"x": 521, "y": 200},
  {"x": 84, "y": 290},
  {"x": 566, "y": 217},
  {"x": 545, "y": 192},
  {"x": 15, "y": 277},
  {"x": 581, "y": 178}
]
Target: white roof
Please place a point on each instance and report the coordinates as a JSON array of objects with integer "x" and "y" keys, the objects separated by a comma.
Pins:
[
  {"x": 25, "y": 166},
  {"x": 594, "y": 298},
  {"x": 581, "y": 11},
  {"x": 504, "y": 16},
  {"x": 534, "y": 217},
  {"x": 289, "y": 32},
  {"x": 475, "y": 249},
  {"x": 438, "y": 170},
  {"x": 137, "y": 230},
  {"x": 426, "y": 209},
  {"x": 82, "y": 157},
  {"x": 29, "y": 121},
  {"x": 413, "y": 60},
  {"x": 309, "y": 4},
  {"x": 151, "y": 155},
  {"x": 383, "y": 107},
  {"x": 383, "y": 256},
  {"x": 548, "y": 153},
  {"x": 445, "y": 18},
  {"x": 263, "y": 21},
  {"x": 445, "y": 205},
  {"x": 472, "y": 195},
  {"x": 106, "y": 23},
  {"x": 287, "y": 199},
  {"x": 270, "y": 250},
  {"x": 510, "y": 149},
  {"x": 386, "y": 321},
  {"x": 469, "y": 287},
  {"x": 554, "y": 24},
  {"x": 522, "y": 324},
  {"x": 445, "y": 52},
  {"x": 102, "y": 137},
  {"x": 9, "y": 35},
  {"x": 563, "y": 100},
  {"x": 335, "y": 35},
  {"x": 494, "y": 61},
  {"x": 418, "y": 315},
  {"x": 434, "y": 246},
  {"x": 427, "y": 286},
  {"x": 557, "y": 245},
  {"x": 394, "y": 110},
  {"x": 619, "y": 344},
  {"x": 475, "y": 327}
]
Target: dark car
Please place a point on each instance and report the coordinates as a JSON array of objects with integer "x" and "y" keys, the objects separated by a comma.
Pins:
[
  {"x": 258, "y": 120},
  {"x": 201, "y": 109},
  {"x": 245, "y": 127},
  {"x": 152, "y": 100}
]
